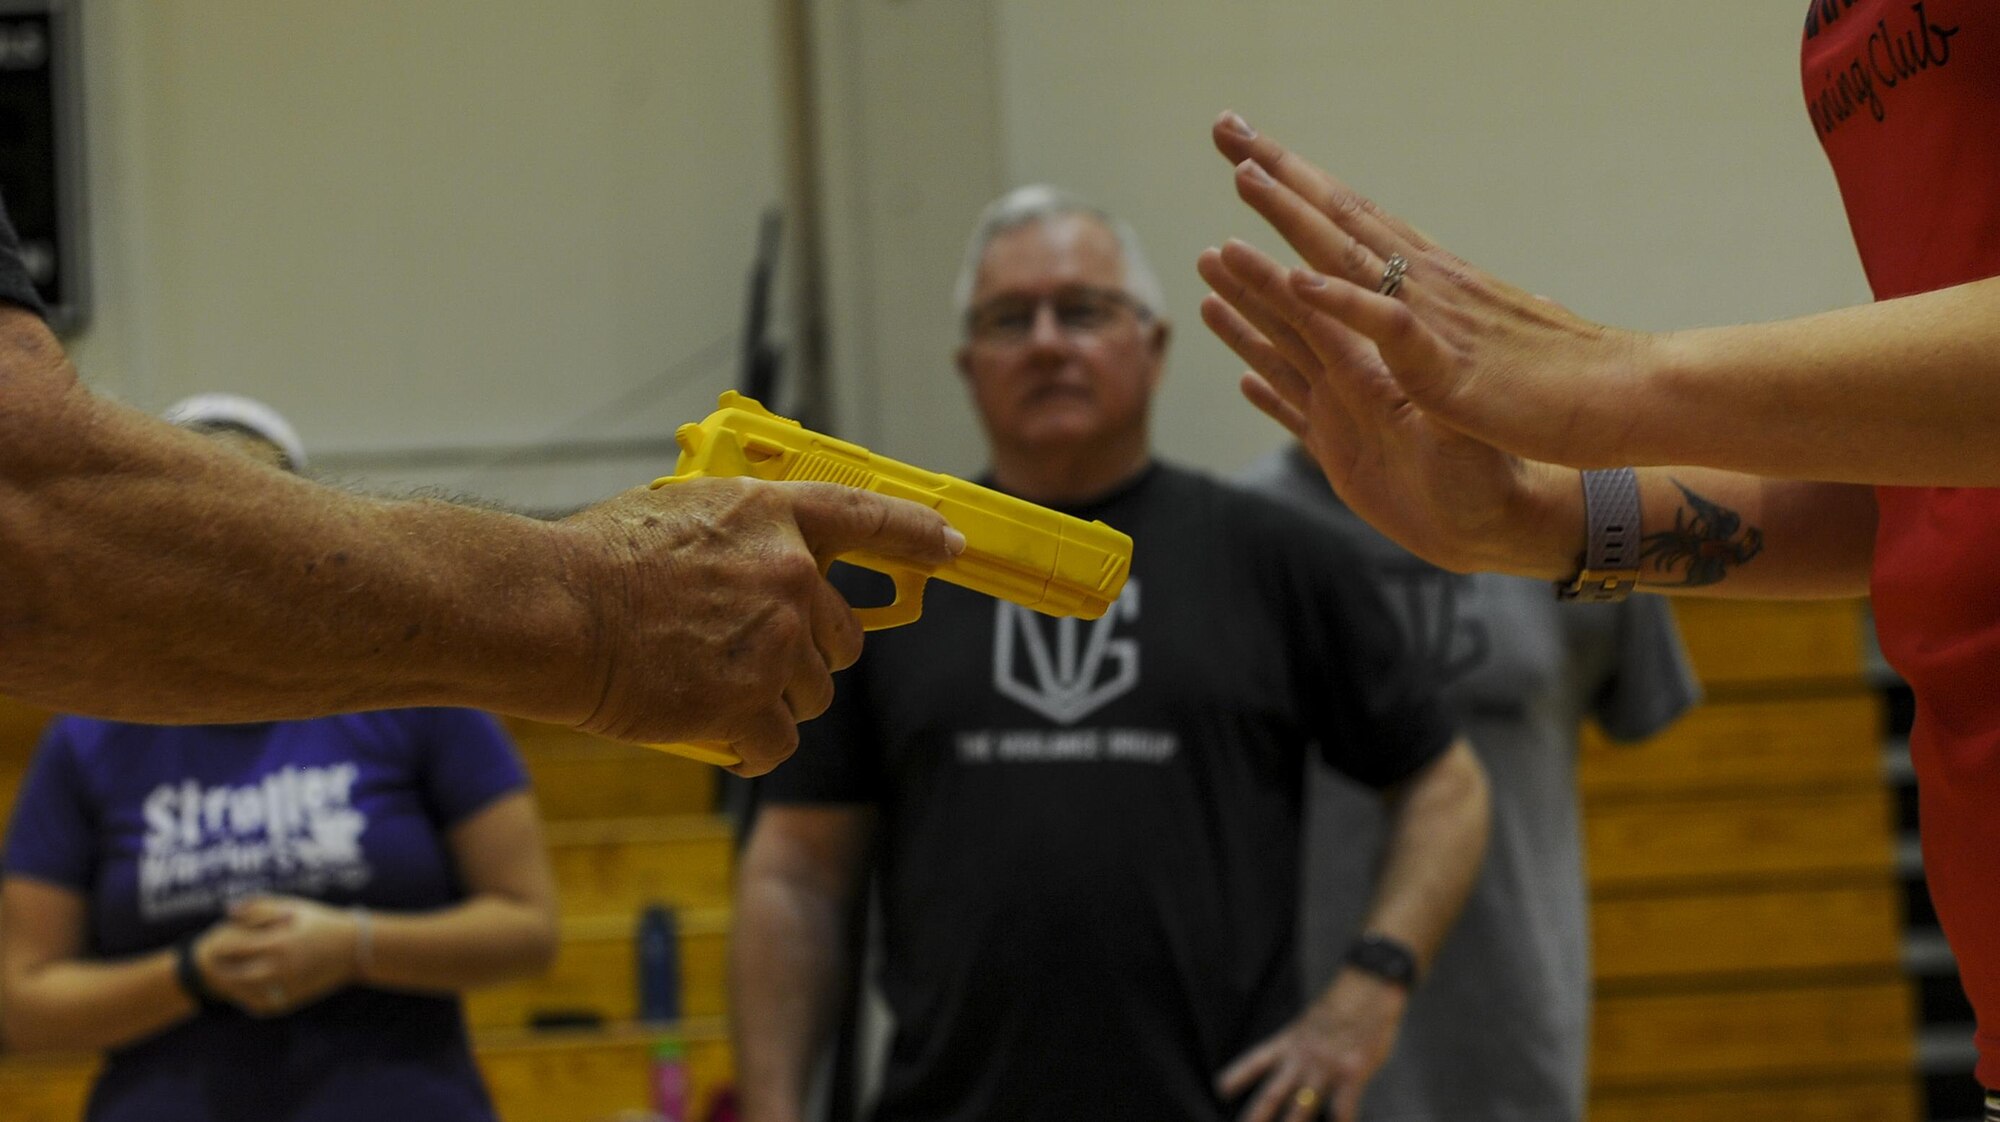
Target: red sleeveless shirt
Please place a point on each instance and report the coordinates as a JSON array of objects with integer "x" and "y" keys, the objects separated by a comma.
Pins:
[{"x": 1905, "y": 97}]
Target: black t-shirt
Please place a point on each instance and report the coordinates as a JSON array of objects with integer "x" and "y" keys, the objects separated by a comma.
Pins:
[{"x": 1090, "y": 830}]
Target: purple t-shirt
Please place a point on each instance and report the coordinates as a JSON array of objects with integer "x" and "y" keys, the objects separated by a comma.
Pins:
[{"x": 160, "y": 827}]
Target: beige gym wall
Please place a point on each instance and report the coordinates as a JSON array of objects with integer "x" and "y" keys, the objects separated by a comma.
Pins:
[
  {"x": 414, "y": 226},
  {"x": 479, "y": 222},
  {"x": 1647, "y": 164}
]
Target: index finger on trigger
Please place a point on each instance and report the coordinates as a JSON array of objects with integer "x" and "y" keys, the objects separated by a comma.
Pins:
[{"x": 834, "y": 519}]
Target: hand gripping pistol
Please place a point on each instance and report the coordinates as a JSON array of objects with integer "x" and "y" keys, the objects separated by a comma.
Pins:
[{"x": 1036, "y": 557}]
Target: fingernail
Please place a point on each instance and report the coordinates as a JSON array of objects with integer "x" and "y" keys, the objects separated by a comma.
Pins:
[
  {"x": 1256, "y": 172},
  {"x": 1239, "y": 126},
  {"x": 954, "y": 541},
  {"x": 1309, "y": 278}
]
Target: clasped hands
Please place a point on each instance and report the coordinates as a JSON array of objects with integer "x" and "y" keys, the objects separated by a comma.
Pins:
[{"x": 271, "y": 955}]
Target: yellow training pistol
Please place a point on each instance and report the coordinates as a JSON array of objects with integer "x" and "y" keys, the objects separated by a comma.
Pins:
[{"x": 1033, "y": 556}]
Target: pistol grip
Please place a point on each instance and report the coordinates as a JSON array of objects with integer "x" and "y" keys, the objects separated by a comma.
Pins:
[{"x": 707, "y": 751}]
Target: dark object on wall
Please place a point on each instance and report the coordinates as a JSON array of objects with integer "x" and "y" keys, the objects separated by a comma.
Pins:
[{"x": 41, "y": 157}]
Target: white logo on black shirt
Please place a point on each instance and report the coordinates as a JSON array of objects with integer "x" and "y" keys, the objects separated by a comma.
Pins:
[{"x": 1081, "y": 674}]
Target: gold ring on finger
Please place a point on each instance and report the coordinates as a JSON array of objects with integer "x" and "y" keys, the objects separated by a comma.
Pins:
[{"x": 1307, "y": 1098}]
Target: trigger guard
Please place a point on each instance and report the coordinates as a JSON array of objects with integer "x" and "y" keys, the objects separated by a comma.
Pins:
[{"x": 905, "y": 608}]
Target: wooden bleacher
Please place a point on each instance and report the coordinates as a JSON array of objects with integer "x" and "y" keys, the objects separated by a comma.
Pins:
[{"x": 1746, "y": 918}]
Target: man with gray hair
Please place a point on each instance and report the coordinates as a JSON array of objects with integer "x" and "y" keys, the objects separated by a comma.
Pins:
[{"x": 1086, "y": 835}]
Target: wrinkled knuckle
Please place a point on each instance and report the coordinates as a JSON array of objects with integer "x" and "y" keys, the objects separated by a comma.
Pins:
[
  {"x": 794, "y": 575},
  {"x": 1355, "y": 257},
  {"x": 786, "y": 631},
  {"x": 766, "y": 500}
]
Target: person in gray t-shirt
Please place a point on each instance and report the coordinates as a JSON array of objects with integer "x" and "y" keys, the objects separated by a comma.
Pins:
[{"x": 1499, "y": 1030}]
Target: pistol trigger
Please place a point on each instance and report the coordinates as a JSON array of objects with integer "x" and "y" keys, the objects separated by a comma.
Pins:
[{"x": 905, "y": 608}]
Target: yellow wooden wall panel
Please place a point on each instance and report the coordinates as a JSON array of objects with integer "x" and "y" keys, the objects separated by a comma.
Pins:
[
  {"x": 614, "y": 867},
  {"x": 612, "y": 787},
  {"x": 1884, "y": 1100},
  {"x": 580, "y": 1076},
  {"x": 45, "y": 1089},
  {"x": 1743, "y": 745},
  {"x": 1746, "y": 932},
  {"x": 596, "y": 970},
  {"x": 20, "y": 725},
  {"x": 1776, "y": 834},
  {"x": 577, "y": 775},
  {"x": 592, "y": 1076},
  {"x": 1660, "y": 1040},
  {"x": 1743, "y": 642}
]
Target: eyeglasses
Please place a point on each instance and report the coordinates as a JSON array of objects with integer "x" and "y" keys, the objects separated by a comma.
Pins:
[{"x": 1081, "y": 310}]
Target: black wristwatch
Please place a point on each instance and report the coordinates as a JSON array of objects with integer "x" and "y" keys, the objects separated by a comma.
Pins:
[
  {"x": 188, "y": 973},
  {"x": 1388, "y": 959}
]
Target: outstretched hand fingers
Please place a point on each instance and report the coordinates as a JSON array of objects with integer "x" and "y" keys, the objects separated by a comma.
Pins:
[
  {"x": 1246, "y": 325},
  {"x": 1347, "y": 240},
  {"x": 1354, "y": 212},
  {"x": 1422, "y": 365},
  {"x": 1259, "y": 393},
  {"x": 1268, "y": 371},
  {"x": 1329, "y": 354}
]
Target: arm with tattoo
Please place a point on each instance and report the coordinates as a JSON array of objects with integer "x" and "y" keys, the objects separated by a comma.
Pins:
[{"x": 1720, "y": 533}]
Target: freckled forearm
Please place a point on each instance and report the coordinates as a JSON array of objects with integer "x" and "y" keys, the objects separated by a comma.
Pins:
[{"x": 149, "y": 575}]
